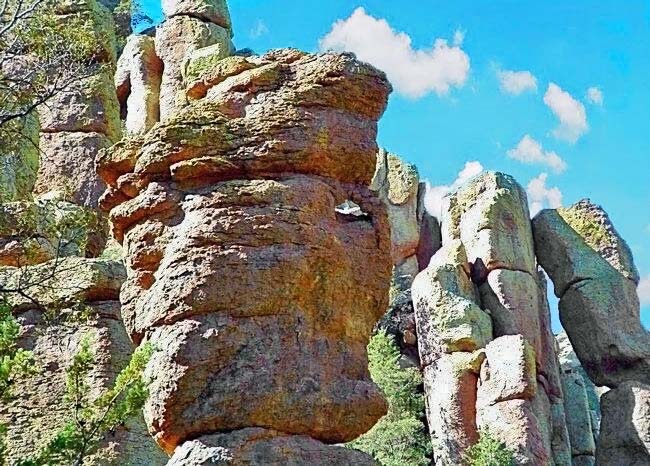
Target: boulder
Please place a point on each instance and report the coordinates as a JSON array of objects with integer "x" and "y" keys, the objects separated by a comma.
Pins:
[
  {"x": 176, "y": 39},
  {"x": 251, "y": 179},
  {"x": 262, "y": 447},
  {"x": 212, "y": 11},
  {"x": 489, "y": 214},
  {"x": 447, "y": 315},
  {"x": 595, "y": 279},
  {"x": 625, "y": 428},
  {"x": 137, "y": 81}
]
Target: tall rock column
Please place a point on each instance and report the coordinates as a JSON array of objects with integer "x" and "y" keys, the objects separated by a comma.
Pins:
[
  {"x": 260, "y": 295},
  {"x": 595, "y": 278},
  {"x": 84, "y": 118},
  {"x": 515, "y": 389},
  {"x": 189, "y": 25}
]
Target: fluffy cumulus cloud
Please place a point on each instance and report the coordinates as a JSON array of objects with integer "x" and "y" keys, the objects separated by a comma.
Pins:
[
  {"x": 414, "y": 73},
  {"x": 435, "y": 194},
  {"x": 570, "y": 112},
  {"x": 644, "y": 291},
  {"x": 516, "y": 82},
  {"x": 540, "y": 196},
  {"x": 530, "y": 151}
]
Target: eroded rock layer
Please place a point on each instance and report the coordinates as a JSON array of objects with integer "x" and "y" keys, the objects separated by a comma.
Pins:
[
  {"x": 484, "y": 330},
  {"x": 259, "y": 293}
]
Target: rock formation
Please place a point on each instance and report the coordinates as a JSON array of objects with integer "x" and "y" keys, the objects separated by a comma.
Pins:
[
  {"x": 581, "y": 403},
  {"x": 595, "y": 278},
  {"x": 484, "y": 330},
  {"x": 247, "y": 179},
  {"x": 82, "y": 119}
]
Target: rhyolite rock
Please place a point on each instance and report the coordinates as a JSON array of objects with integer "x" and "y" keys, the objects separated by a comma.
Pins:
[
  {"x": 450, "y": 384},
  {"x": 625, "y": 428},
  {"x": 80, "y": 296},
  {"x": 263, "y": 446},
  {"x": 137, "y": 82},
  {"x": 396, "y": 183},
  {"x": 489, "y": 214},
  {"x": 19, "y": 162},
  {"x": 249, "y": 179},
  {"x": 447, "y": 315},
  {"x": 67, "y": 164},
  {"x": 213, "y": 11},
  {"x": 176, "y": 38},
  {"x": 595, "y": 279}
]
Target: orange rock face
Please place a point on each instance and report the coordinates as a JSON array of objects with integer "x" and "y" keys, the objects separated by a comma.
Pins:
[{"x": 260, "y": 296}]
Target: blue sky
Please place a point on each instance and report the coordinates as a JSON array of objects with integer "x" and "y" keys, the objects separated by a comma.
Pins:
[{"x": 457, "y": 102}]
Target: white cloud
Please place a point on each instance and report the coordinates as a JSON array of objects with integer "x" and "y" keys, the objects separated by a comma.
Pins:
[
  {"x": 644, "y": 291},
  {"x": 595, "y": 96},
  {"x": 570, "y": 112},
  {"x": 412, "y": 72},
  {"x": 530, "y": 151},
  {"x": 435, "y": 194},
  {"x": 259, "y": 29},
  {"x": 541, "y": 197},
  {"x": 459, "y": 37},
  {"x": 516, "y": 82}
]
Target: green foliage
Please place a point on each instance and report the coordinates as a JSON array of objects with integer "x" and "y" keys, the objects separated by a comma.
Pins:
[
  {"x": 489, "y": 451},
  {"x": 93, "y": 419},
  {"x": 399, "y": 438}
]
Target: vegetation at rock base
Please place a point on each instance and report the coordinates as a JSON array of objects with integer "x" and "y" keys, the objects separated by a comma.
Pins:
[
  {"x": 399, "y": 438},
  {"x": 489, "y": 451},
  {"x": 92, "y": 418}
]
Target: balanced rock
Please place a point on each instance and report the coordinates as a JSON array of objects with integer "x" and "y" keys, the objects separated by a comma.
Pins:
[
  {"x": 212, "y": 11},
  {"x": 248, "y": 180},
  {"x": 595, "y": 279}
]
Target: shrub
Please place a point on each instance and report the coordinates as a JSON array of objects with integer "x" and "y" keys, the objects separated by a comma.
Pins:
[
  {"x": 399, "y": 438},
  {"x": 489, "y": 451}
]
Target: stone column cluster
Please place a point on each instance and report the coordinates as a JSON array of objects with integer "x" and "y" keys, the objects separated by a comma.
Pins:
[
  {"x": 259, "y": 294},
  {"x": 483, "y": 324}
]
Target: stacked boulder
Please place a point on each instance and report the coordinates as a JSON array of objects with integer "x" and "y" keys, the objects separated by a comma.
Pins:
[
  {"x": 415, "y": 237},
  {"x": 84, "y": 118},
  {"x": 484, "y": 333},
  {"x": 595, "y": 278},
  {"x": 190, "y": 25},
  {"x": 259, "y": 292}
]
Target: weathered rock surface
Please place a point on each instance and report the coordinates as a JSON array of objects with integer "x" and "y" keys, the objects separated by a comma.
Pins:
[
  {"x": 67, "y": 164},
  {"x": 599, "y": 305},
  {"x": 447, "y": 316},
  {"x": 450, "y": 384},
  {"x": 396, "y": 183},
  {"x": 625, "y": 428},
  {"x": 19, "y": 162},
  {"x": 33, "y": 232},
  {"x": 255, "y": 446},
  {"x": 489, "y": 214},
  {"x": 213, "y": 11},
  {"x": 83, "y": 118},
  {"x": 430, "y": 240},
  {"x": 509, "y": 403},
  {"x": 176, "y": 38},
  {"x": 39, "y": 410},
  {"x": 137, "y": 82},
  {"x": 248, "y": 180}
]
